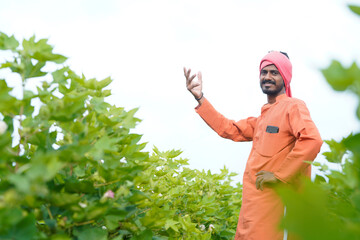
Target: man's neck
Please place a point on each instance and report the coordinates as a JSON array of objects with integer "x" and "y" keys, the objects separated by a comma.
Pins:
[{"x": 272, "y": 98}]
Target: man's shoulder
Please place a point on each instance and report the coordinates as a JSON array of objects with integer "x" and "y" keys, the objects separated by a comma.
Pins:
[
  {"x": 290, "y": 101},
  {"x": 291, "y": 104}
]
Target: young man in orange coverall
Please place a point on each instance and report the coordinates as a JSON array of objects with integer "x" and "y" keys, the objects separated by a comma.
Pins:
[{"x": 284, "y": 136}]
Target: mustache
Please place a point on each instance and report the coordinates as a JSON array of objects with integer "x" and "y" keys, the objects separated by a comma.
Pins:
[{"x": 268, "y": 81}]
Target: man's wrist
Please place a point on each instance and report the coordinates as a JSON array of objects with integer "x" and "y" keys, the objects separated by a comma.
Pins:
[{"x": 201, "y": 96}]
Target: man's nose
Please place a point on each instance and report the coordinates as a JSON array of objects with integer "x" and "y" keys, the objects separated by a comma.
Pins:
[{"x": 267, "y": 76}]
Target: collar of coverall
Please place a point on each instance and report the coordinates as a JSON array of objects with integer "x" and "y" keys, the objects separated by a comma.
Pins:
[{"x": 279, "y": 98}]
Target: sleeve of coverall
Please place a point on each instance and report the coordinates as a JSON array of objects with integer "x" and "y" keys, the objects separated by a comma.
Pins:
[
  {"x": 242, "y": 130},
  {"x": 307, "y": 145}
]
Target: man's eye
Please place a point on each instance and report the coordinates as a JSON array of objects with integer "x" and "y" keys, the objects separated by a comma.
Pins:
[
  {"x": 263, "y": 72},
  {"x": 274, "y": 72}
]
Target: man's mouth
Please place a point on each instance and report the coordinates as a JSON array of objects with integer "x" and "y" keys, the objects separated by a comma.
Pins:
[{"x": 268, "y": 83}]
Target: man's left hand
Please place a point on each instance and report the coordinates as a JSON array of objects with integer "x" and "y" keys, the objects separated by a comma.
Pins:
[{"x": 264, "y": 177}]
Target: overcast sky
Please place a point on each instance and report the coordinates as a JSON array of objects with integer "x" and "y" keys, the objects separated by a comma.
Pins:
[{"x": 144, "y": 45}]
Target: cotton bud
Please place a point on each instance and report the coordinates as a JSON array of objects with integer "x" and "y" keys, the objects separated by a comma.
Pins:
[
  {"x": 211, "y": 227},
  {"x": 109, "y": 194},
  {"x": 83, "y": 205},
  {"x": 3, "y": 127},
  {"x": 202, "y": 227}
]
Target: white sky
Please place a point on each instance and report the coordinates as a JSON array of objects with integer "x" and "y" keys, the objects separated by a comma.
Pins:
[{"x": 143, "y": 46}]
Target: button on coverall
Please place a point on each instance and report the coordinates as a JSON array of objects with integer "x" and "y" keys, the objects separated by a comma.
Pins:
[{"x": 282, "y": 153}]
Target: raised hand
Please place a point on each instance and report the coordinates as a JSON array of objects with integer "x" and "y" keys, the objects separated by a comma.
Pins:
[{"x": 192, "y": 84}]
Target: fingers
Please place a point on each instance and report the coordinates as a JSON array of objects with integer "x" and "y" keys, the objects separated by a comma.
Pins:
[
  {"x": 187, "y": 76},
  {"x": 199, "y": 75},
  {"x": 260, "y": 180},
  {"x": 185, "y": 72},
  {"x": 189, "y": 80},
  {"x": 257, "y": 183},
  {"x": 260, "y": 183},
  {"x": 265, "y": 178},
  {"x": 192, "y": 86},
  {"x": 192, "y": 77},
  {"x": 189, "y": 84},
  {"x": 195, "y": 87}
]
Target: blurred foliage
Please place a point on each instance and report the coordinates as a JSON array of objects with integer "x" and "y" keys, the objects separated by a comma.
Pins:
[
  {"x": 70, "y": 168},
  {"x": 329, "y": 207}
]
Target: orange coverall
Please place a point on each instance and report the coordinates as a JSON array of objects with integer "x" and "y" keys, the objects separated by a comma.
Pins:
[{"x": 282, "y": 153}]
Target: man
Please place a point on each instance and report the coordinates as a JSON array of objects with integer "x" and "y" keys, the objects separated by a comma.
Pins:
[{"x": 284, "y": 136}]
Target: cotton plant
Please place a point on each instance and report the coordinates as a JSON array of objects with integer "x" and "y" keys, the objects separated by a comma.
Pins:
[{"x": 72, "y": 166}]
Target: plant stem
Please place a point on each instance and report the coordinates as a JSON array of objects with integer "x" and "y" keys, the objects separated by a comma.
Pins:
[
  {"x": 105, "y": 184},
  {"x": 49, "y": 212}
]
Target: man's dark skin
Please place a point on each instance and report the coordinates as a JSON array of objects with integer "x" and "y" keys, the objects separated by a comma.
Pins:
[{"x": 271, "y": 83}]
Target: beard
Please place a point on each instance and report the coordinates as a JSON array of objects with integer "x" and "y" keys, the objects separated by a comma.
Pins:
[{"x": 272, "y": 92}]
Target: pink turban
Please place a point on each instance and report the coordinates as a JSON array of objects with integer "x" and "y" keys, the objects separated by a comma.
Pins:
[{"x": 283, "y": 64}]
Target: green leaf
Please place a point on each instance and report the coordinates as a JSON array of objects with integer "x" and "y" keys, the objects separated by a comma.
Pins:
[
  {"x": 63, "y": 198},
  {"x": 299, "y": 205},
  {"x": 319, "y": 179},
  {"x": 103, "y": 83},
  {"x": 104, "y": 144},
  {"x": 130, "y": 121},
  {"x": 113, "y": 221},
  {"x": 171, "y": 224},
  {"x": 67, "y": 108},
  {"x": 355, "y": 9},
  {"x": 316, "y": 164},
  {"x": 227, "y": 233},
  {"x": 23, "y": 230},
  {"x": 337, "y": 152},
  {"x": 95, "y": 84},
  {"x": 341, "y": 78},
  {"x": 74, "y": 186},
  {"x": 21, "y": 182},
  {"x": 137, "y": 196},
  {"x": 145, "y": 235},
  {"x": 91, "y": 234},
  {"x": 96, "y": 211},
  {"x": 59, "y": 75},
  {"x": 80, "y": 171},
  {"x": 51, "y": 223},
  {"x": 9, "y": 217},
  {"x": 44, "y": 166},
  {"x": 60, "y": 237},
  {"x": 28, "y": 95},
  {"x": 355, "y": 199},
  {"x": 31, "y": 70},
  {"x": 8, "y": 43},
  {"x": 41, "y": 51},
  {"x": 6, "y": 65},
  {"x": 99, "y": 105},
  {"x": 353, "y": 143}
]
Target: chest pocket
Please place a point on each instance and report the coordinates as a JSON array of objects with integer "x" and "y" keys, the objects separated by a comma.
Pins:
[{"x": 269, "y": 141}]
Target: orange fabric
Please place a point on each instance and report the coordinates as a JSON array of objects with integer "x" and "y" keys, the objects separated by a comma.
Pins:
[{"x": 282, "y": 153}]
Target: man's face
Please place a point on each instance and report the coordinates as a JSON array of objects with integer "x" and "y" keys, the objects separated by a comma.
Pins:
[{"x": 271, "y": 82}]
